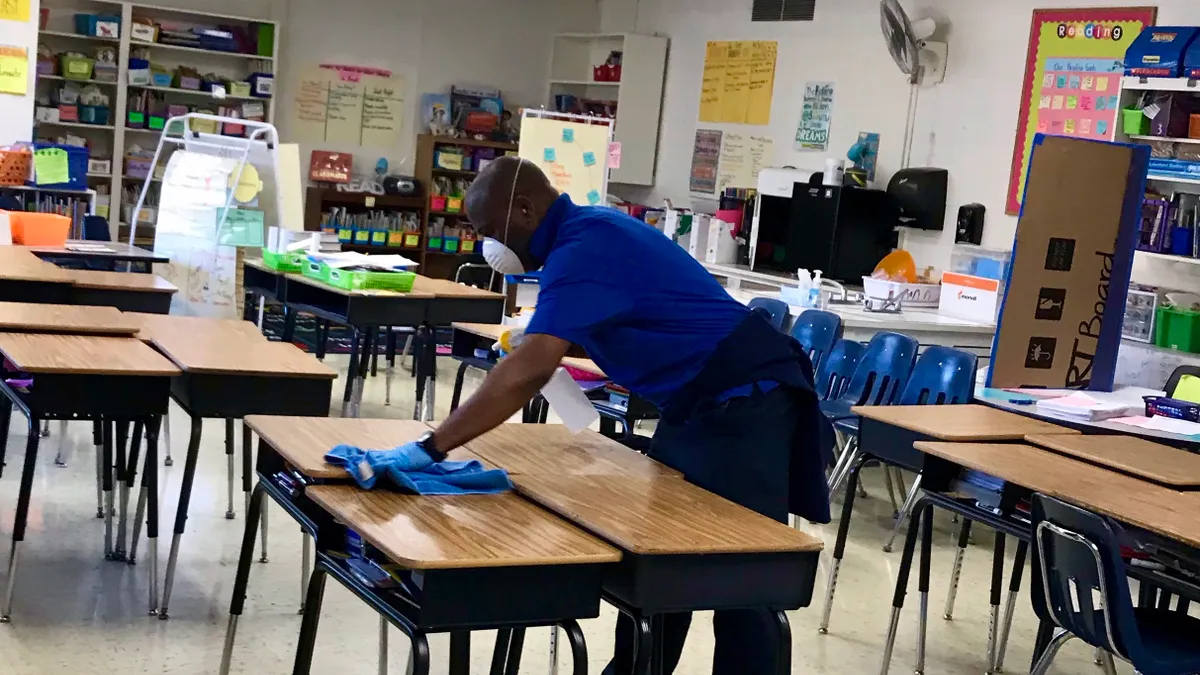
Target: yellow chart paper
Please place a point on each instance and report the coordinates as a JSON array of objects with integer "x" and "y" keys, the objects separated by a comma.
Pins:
[
  {"x": 738, "y": 82},
  {"x": 14, "y": 69},
  {"x": 14, "y": 10}
]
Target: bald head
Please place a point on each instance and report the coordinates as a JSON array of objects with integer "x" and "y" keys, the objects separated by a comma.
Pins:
[{"x": 508, "y": 199}]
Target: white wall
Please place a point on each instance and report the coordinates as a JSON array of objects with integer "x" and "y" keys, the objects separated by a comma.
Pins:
[{"x": 965, "y": 125}]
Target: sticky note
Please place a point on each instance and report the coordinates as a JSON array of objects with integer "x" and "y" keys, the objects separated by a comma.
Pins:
[
  {"x": 50, "y": 166},
  {"x": 1062, "y": 81},
  {"x": 1057, "y": 103},
  {"x": 15, "y": 10},
  {"x": 14, "y": 66},
  {"x": 593, "y": 197},
  {"x": 614, "y": 155},
  {"x": 1102, "y": 127},
  {"x": 1112, "y": 102},
  {"x": 568, "y": 135},
  {"x": 1075, "y": 81},
  {"x": 1072, "y": 102},
  {"x": 1048, "y": 81},
  {"x": 1085, "y": 103},
  {"x": 1188, "y": 389},
  {"x": 1042, "y": 126},
  {"x": 1085, "y": 126},
  {"x": 548, "y": 154},
  {"x": 1087, "y": 83},
  {"x": 1101, "y": 84},
  {"x": 1101, "y": 103},
  {"x": 1069, "y": 127},
  {"x": 1044, "y": 103},
  {"x": 589, "y": 158}
]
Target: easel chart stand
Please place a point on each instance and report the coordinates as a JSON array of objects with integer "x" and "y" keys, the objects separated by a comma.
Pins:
[{"x": 572, "y": 150}]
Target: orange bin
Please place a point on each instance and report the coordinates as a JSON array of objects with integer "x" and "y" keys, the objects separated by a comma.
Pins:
[{"x": 39, "y": 229}]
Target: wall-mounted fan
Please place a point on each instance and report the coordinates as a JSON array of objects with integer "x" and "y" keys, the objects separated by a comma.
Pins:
[{"x": 922, "y": 60}]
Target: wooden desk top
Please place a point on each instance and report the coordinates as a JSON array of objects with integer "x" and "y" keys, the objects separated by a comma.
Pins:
[
  {"x": 83, "y": 355},
  {"x": 426, "y": 532},
  {"x": 1128, "y": 454},
  {"x": 303, "y": 441},
  {"x": 1128, "y": 499},
  {"x": 121, "y": 281},
  {"x": 38, "y": 318},
  {"x": 232, "y": 352},
  {"x": 300, "y": 278},
  {"x": 17, "y": 264},
  {"x": 495, "y": 330},
  {"x": 662, "y": 515},
  {"x": 970, "y": 422},
  {"x": 154, "y": 325},
  {"x": 117, "y": 250},
  {"x": 553, "y": 450},
  {"x": 445, "y": 288}
]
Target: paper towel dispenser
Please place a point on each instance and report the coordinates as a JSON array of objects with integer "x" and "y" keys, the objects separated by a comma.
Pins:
[{"x": 920, "y": 194}]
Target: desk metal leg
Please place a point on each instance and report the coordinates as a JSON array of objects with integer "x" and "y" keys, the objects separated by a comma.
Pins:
[
  {"x": 460, "y": 653},
  {"x": 247, "y": 463},
  {"x": 242, "y": 578},
  {"x": 6, "y": 408},
  {"x": 421, "y": 338},
  {"x": 46, "y": 429},
  {"x": 553, "y": 651},
  {"x": 784, "y": 660},
  {"x": 140, "y": 511},
  {"x": 351, "y": 372},
  {"x": 383, "y": 647},
  {"x": 64, "y": 448},
  {"x": 262, "y": 521},
  {"x": 910, "y": 545},
  {"x": 308, "y": 626},
  {"x": 166, "y": 435},
  {"x": 923, "y": 587},
  {"x": 30, "y": 465},
  {"x": 106, "y": 442},
  {"x": 657, "y": 657},
  {"x": 994, "y": 612},
  {"x": 458, "y": 386},
  {"x": 500, "y": 651},
  {"x": 185, "y": 496},
  {"x": 391, "y": 365},
  {"x": 289, "y": 324},
  {"x": 370, "y": 348},
  {"x": 305, "y": 564},
  {"x": 643, "y": 645},
  {"x": 151, "y": 475},
  {"x": 516, "y": 647},
  {"x": 135, "y": 446},
  {"x": 420, "y": 655},
  {"x": 964, "y": 536},
  {"x": 905, "y": 512},
  {"x": 122, "y": 436},
  {"x": 98, "y": 445},
  {"x": 375, "y": 351},
  {"x": 1014, "y": 589},
  {"x": 839, "y": 548},
  {"x": 229, "y": 512},
  {"x": 579, "y": 660}
]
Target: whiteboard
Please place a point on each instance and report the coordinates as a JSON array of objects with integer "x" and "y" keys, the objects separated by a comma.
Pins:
[{"x": 572, "y": 150}]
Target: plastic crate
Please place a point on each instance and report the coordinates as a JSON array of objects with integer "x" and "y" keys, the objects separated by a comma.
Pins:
[
  {"x": 15, "y": 165},
  {"x": 315, "y": 269},
  {"x": 359, "y": 280},
  {"x": 77, "y": 163},
  {"x": 284, "y": 262},
  {"x": 98, "y": 25},
  {"x": 1177, "y": 328},
  {"x": 75, "y": 67}
]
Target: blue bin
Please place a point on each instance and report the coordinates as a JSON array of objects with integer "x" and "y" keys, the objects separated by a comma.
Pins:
[
  {"x": 85, "y": 24},
  {"x": 77, "y": 162}
]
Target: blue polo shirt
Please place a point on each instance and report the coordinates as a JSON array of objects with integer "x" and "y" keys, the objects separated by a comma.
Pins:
[{"x": 646, "y": 312}]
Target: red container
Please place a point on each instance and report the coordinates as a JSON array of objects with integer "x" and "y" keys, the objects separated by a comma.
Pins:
[{"x": 437, "y": 203}]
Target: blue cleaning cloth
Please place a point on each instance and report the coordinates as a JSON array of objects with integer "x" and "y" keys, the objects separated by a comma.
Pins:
[{"x": 410, "y": 468}]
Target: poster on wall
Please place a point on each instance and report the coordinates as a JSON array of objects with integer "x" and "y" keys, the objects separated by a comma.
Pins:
[
  {"x": 812, "y": 133},
  {"x": 1072, "y": 79},
  {"x": 706, "y": 156},
  {"x": 742, "y": 159},
  {"x": 738, "y": 82},
  {"x": 573, "y": 154},
  {"x": 348, "y": 105}
]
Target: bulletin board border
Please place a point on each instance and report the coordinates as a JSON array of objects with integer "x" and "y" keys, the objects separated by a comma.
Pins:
[{"x": 1146, "y": 14}]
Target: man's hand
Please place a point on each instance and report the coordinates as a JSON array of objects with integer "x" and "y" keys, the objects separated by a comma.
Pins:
[{"x": 510, "y": 385}]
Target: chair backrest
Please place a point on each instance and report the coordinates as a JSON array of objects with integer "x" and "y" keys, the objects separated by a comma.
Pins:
[
  {"x": 817, "y": 331},
  {"x": 1177, "y": 375},
  {"x": 833, "y": 377},
  {"x": 942, "y": 375},
  {"x": 883, "y": 370},
  {"x": 95, "y": 228},
  {"x": 775, "y": 310},
  {"x": 1079, "y": 578}
]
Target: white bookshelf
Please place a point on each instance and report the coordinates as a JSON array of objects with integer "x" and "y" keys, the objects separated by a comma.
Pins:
[
  {"x": 638, "y": 94},
  {"x": 114, "y": 139}
]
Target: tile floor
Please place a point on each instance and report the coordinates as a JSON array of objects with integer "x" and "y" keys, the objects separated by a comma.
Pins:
[{"x": 76, "y": 613}]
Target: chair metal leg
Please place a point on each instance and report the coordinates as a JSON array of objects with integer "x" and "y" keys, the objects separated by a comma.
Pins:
[
  {"x": 839, "y": 467},
  {"x": 1043, "y": 664},
  {"x": 1107, "y": 664},
  {"x": 905, "y": 512},
  {"x": 852, "y": 456},
  {"x": 135, "y": 446},
  {"x": 1098, "y": 657},
  {"x": 887, "y": 479},
  {"x": 166, "y": 435},
  {"x": 964, "y": 535},
  {"x": 1014, "y": 589},
  {"x": 554, "y": 634},
  {"x": 783, "y": 661},
  {"x": 391, "y": 365},
  {"x": 994, "y": 611},
  {"x": 64, "y": 448},
  {"x": 579, "y": 661}
]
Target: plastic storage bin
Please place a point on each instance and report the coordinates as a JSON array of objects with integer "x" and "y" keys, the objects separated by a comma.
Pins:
[
  {"x": 358, "y": 280},
  {"x": 75, "y": 67},
  {"x": 1135, "y": 122},
  {"x": 1177, "y": 328},
  {"x": 39, "y": 229},
  {"x": 284, "y": 262},
  {"x": 77, "y": 163},
  {"x": 98, "y": 25}
]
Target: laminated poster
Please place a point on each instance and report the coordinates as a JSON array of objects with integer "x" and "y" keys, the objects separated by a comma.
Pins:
[
  {"x": 816, "y": 116},
  {"x": 706, "y": 157}
]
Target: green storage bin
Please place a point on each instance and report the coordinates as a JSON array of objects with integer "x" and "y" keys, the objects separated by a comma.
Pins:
[
  {"x": 315, "y": 269},
  {"x": 360, "y": 280},
  {"x": 1177, "y": 328},
  {"x": 284, "y": 262},
  {"x": 75, "y": 67},
  {"x": 1135, "y": 122}
]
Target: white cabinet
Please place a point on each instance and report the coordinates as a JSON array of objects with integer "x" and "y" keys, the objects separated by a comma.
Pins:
[{"x": 638, "y": 94}]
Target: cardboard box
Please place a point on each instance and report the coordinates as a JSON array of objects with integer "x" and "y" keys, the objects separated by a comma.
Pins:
[
  {"x": 1060, "y": 322},
  {"x": 964, "y": 296}
]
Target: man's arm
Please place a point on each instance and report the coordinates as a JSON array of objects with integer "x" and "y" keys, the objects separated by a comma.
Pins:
[{"x": 510, "y": 385}]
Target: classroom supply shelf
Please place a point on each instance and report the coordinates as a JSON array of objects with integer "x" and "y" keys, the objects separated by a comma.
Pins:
[{"x": 114, "y": 141}]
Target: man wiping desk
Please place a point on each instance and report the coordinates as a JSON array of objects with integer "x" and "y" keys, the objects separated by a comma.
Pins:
[{"x": 739, "y": 414}]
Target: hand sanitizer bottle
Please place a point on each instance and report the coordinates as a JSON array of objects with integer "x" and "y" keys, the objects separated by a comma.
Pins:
[{"x": 814, "y": 291}]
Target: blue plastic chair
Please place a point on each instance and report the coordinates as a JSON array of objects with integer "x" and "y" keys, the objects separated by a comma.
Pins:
[
  {"x": 95, "y": 228},
  {"x": 817, "y": 332},
  {"x": 836, "y": 369},
  {"x": 774, "y": 309},
  {"x": 942, "y": 375},
  {"x": 880, "y": 377},
  {"x": 1076, "y": 556}
]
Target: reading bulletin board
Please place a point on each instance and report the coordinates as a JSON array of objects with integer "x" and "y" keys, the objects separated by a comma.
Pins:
[
  {"x": 572, "y": 150},
  {"x": 1072, "y": 79}
]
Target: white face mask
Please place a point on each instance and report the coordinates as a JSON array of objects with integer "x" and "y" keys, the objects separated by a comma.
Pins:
[{"x": 500, "y": 257}]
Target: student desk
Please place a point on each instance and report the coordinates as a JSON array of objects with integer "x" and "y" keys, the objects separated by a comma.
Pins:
[
  {"x": 1161, "y": 464},
  {"x": 26, "y": 317},
  {"x": 468, "y": 563},
  {"x": 685, "y": 549},
  {"x": 25, "y": 278},
  {"x": 432, "y": 303},
  {"x": 116, "y": 252},
  {"x": 228, "y": 374},
  {"x": 127, "y": 292},
  {"x": 1027, "y": 469},
  {"x": 104, "y": 379}
]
